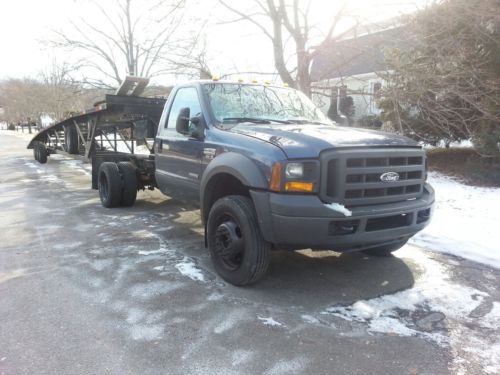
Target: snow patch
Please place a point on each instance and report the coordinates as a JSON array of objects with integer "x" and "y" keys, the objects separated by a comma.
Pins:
[
  {"x": 134, "y": 315},
  {"x": 78, "y": 165},
  {"x": 391, "y": 325},
  {"x": 146, "y": 333},
  {"x": 293, "y": 366},
  {"x": 339, "y": 208},
  {"x": 240, "y": 356},
  {"x": 101, "y": 264},
  {"x": 51, "y": 178},
  {"x": 433, "y": 295},
  {"x": 465, "y": 221},
  {"x": 153, "y": 289},
  {"x": 229, "y": 321},
  {"x": 492, "y": 319},
  {"x": 489, "y": 354},
  {"x": 151, "y": 252},
  {"x": 433, "y": 291},
  {"x": 188, "y": 268},
  {"x": 309, "y": 319},
  {"x": 269, "y": 321},
  {"x": 143, "y": 234},
  {"x": 215, "y": 297}
]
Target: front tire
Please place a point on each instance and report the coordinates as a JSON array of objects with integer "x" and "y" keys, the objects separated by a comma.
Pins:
[
  {"x": 110, "y": 185},
  {"x": 239, "y": 253},
  {"x": 386, "y": 250}
]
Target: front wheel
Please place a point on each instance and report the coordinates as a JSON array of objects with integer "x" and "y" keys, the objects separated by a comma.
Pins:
[
  {"x": 239, "y": 253},
  {"x": 386, "y": 250}
]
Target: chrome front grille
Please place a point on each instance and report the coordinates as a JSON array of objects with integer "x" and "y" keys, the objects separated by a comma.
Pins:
[{"x": 354, "y": 177}]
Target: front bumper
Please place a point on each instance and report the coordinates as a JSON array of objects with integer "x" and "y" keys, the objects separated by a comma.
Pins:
[{"x": 304, "y": 221}]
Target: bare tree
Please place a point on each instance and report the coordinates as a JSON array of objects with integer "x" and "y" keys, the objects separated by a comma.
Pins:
[
  {"x": 21, "y": 100},
  {"x": 289, "y": 20},
  {"x": 51, "y": 97},
  {"x": 190, "y": 57},
  {"x": 61, "y": 94},
  {"x": 132, "y": 37}
]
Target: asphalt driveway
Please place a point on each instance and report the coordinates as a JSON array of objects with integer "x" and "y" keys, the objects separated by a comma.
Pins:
[{"x": 90, "y": 290}]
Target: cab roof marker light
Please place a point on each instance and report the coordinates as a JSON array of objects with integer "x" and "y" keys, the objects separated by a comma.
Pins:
[
  {"x": 241, "y": 80},
  {"x": 254, "y": 80},
  {"x": 286, "y": 84},
  {"x": 267, "y": 82},
  {"x": 215, "y": 78}
]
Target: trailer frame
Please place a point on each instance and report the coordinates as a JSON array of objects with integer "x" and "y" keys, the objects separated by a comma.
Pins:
[{"x": 109, "y": 132}]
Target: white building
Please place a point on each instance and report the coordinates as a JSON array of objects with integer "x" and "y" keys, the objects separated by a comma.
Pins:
[{"x": 352, "y": 67}]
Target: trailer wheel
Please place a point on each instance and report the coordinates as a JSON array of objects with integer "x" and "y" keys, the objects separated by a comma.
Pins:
[
  {"x": 42, "y": 153},
  {"x": 239, "y": 253},
  {"x": 35, "y": 151},
  {"x": 129, "y": 179},
  {"x": 71, "y": 139},
  {"x": 386, "y": 250},
  {"x": 110, "y": 184}
]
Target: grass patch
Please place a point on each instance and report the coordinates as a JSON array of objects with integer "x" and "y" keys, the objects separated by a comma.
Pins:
[{"x": 466, "y": 165}]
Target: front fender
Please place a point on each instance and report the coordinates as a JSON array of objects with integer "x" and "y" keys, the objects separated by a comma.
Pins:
[{"x": 238, "y": 166}]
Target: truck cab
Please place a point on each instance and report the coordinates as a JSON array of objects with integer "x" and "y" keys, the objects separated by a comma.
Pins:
[{"x": 270, "y": 171}]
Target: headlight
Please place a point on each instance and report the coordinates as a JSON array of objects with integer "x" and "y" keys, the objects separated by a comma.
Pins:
[
  {"x": 296, "y": 176},
  {"x": 294, "y": 170}
]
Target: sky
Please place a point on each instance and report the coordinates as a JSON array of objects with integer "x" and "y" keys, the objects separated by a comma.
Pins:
[{"x": 27, "y": 25}]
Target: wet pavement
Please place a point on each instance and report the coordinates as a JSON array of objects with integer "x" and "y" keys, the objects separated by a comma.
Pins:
[{"x": 85, "y": 289}]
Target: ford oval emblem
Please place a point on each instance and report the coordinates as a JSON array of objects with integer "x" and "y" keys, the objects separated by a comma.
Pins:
[{"x": 389, "y": 177}]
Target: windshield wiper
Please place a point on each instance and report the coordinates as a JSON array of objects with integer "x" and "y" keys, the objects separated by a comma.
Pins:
[
  {"x": 256, "y": 120},
  {"x": 304, "y": 121},
  {"x": 246, "y": 119}
]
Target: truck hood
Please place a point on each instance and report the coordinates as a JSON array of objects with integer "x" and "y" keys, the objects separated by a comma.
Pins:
[{"x": 308, "y": 140}]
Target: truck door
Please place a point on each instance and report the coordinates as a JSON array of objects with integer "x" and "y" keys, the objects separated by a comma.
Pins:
[{"x": 178, "y": 156}]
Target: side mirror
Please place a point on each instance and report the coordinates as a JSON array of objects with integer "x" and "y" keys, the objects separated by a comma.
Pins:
[{"x": 182, "y": 123}]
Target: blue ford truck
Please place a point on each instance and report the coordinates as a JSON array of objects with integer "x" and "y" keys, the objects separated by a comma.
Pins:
[{"x": 269, "y": 171}]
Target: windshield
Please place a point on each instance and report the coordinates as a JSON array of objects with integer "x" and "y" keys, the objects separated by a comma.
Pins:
[{"x": 233, "y": 102}]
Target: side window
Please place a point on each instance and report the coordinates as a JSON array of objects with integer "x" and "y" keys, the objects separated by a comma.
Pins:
[{"x": 185, "y": 97}]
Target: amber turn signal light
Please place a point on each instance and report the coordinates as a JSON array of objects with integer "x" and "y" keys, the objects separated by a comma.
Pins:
[
  {"x": 299, "y": 186},
  {"x": 275, "y": 183}
]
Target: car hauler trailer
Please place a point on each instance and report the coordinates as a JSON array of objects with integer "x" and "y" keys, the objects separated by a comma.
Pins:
[{"x": 119, "y": 129}]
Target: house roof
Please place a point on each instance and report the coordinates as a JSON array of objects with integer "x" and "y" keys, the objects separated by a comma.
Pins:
[{"x": 360, "y": 55}]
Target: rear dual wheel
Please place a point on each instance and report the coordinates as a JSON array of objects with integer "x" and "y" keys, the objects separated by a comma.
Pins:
[
  {"x": 129, "y": 183},
  {"x": 117, "y": 184}
]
